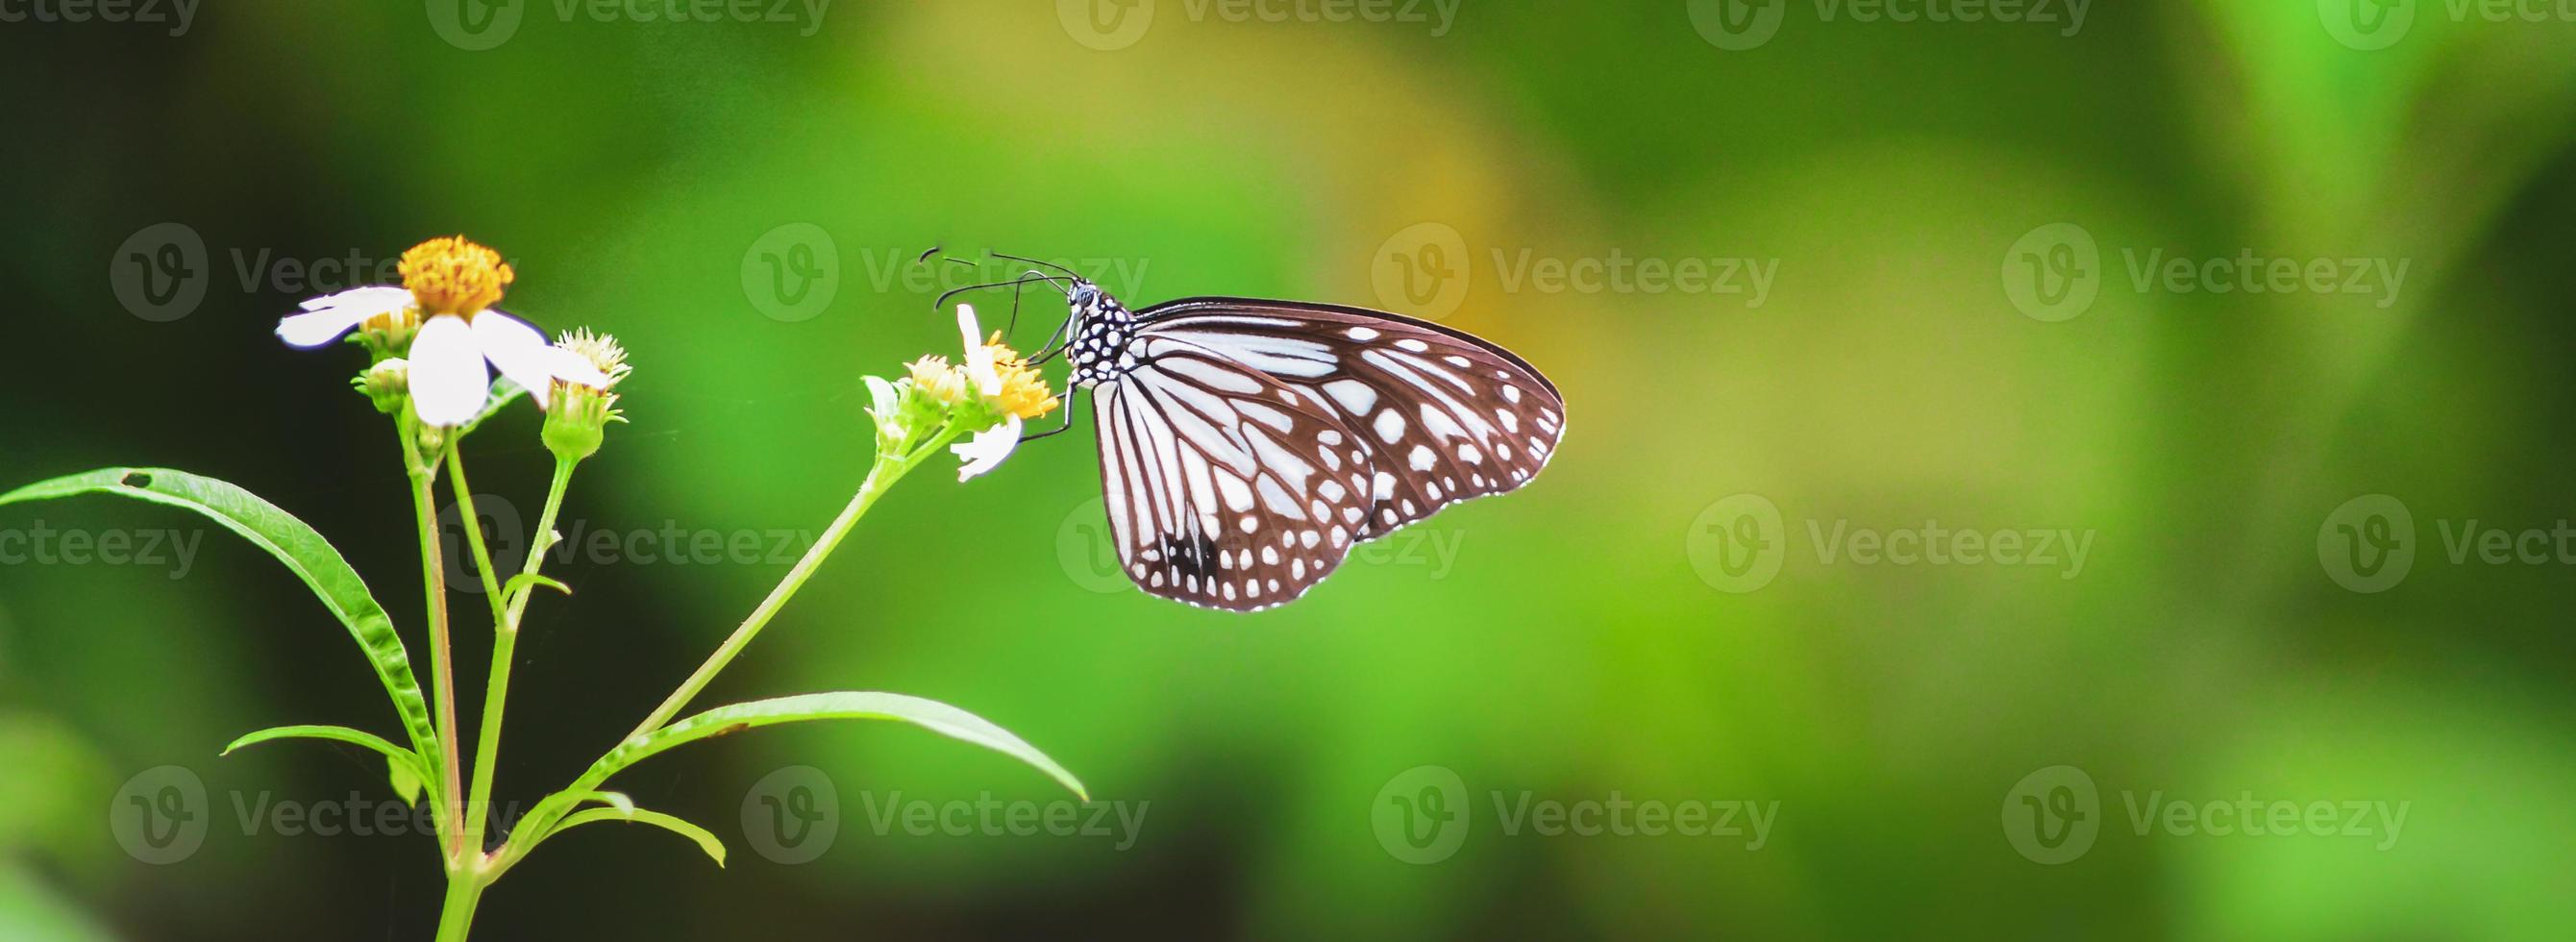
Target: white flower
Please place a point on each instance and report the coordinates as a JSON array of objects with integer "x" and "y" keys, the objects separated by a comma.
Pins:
[
  {"x": 327, "y": 317},
  {"x": 979, "y": 356},
  {"x": 985, "y": 451},
  {"x": 449, "y": 384},
  {"x": 453, "y": 283}
]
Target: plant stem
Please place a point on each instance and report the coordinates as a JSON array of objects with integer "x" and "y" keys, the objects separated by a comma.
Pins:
[
  {"x": 464, "y": 890},
  {"x": 442, "y": 663},
  {"x": 881, "y": 476}
]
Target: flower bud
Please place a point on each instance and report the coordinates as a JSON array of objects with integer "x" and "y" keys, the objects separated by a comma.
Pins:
[{"x": 387, "y": 383}]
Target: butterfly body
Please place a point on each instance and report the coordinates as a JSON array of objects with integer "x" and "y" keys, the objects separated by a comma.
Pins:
[{"x": 1246, "y": 445}]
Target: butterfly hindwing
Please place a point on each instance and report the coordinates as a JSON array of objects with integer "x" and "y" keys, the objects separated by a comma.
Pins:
[
  {"x": 1440, "y": 415},
  {"x": 1225, "y": 486}
]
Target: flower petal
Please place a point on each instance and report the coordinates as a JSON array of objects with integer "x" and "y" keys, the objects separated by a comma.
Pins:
[
  {"x": 448, "y": 381},
  {"x": 519, "y": 349},
  {"x": 375, "y": 299},
  {"x": 979, "y": 358},
  {"x": 985, "y": 451},
  {"x": 315, "y": 328}
]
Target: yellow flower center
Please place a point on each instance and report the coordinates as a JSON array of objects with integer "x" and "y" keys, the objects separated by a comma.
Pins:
[
  {"x": 944, "y": 384},
  {"x": 1024, "y": 392},
  {"x": 454, "y": 276}
]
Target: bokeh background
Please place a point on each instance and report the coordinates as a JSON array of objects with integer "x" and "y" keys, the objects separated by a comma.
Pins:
[{"x": 1953, "y": 333}]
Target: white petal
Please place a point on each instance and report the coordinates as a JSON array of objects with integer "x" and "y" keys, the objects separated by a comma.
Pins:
[
  {"x": 979, "y": 358},
  {"x": 881, "y": 394},
  {"x": 376, "y": 299},
  {"x": 316, "y": 328},
  {"x": 985, "y": 451},
  {"x": 448, "y": 381},
  {"x": 520, "y": 351}
]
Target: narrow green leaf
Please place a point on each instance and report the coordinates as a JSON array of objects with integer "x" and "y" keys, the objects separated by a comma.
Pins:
[
  {"x": 525, "y": 579},
  {"x": 929, "y": 714},
  {"x": 403, "y": 762},
  {"x": 706, "y": 842},
  {"x": 302, "y": 550}
]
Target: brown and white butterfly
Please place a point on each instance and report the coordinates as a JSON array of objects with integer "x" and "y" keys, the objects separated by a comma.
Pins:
[{"x": 1247, "y": 445}]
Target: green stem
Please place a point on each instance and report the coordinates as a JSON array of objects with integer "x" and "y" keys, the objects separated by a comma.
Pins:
[
  {"x": 442, "y": 663},
  {"x": 881, "y": 476},
  {"x": 464, "y": 891}
]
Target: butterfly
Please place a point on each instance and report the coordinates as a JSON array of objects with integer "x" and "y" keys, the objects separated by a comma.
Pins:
[{"x": 1246, "y": 445}]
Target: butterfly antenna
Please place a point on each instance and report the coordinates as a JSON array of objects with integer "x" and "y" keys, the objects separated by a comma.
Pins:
[
  {"x": 1051, "y": 280},
  {"x": 1036, "y": 261}
]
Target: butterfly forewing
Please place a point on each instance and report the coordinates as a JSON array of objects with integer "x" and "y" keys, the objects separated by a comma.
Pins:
[
  {"x": 1225, "y": 486},
  {"x": 1439, "y": 416}
]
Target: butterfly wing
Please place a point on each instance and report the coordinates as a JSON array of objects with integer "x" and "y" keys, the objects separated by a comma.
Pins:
[
  {"x": 1440, "y": 416},
  {"x": 1225, "y": 487}
]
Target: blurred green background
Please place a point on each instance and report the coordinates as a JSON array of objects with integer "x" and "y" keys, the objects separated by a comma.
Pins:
[{"x": 1964, "y": 326}]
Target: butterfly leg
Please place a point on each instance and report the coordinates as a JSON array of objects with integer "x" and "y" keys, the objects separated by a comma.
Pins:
[{"x": 1069, "y": 396}]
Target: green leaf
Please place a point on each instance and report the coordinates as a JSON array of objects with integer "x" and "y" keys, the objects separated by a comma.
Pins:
[
  {"x": 929, "y": 714},
  {"x": 408, "y": 770},
  {"x": 706, "y": 842},
  {"x": 526, "y": 579},
  {"x": 406, "y": 780},
  {"x": 303, "y": 551}
]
